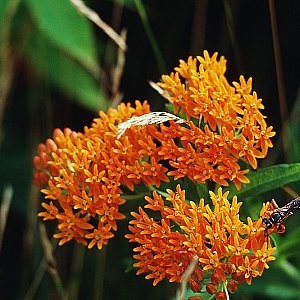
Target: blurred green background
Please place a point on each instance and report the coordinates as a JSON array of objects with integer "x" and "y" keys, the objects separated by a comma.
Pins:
[{"x": 57, "y": 69}]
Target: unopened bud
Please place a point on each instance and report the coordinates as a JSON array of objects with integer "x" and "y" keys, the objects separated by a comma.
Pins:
[
  {"x": 221, "y": 296},
  {"x": 195, "y": 298},
  {"x": 198, "y": 275},
  {"x": 211, "y": 288},
  {"x": 51, "y": 146},
  {"x": 215, "y": 278},
  {"x": 232, "y": 286},
  {"x": 195, "y": 286}
]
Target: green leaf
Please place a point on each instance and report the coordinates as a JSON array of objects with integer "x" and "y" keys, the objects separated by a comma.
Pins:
[
  {"x": 289, "y": 269},
  {"x": 59, "y": 21},
  {"x": 267, "y": 179},
  {"x": 3, "y": 9},
  {"x": 278, "y": 290},
  {"x": 8, "y": 10},
  {"x": 290, "y": 243},
  {"x": 202, "y": 190},
  {"x": 65, "y": 73}
]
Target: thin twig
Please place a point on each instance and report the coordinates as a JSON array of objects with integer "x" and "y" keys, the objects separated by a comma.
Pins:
[
  {"x": 38, "y": 276},
  {"x": 99, "y": 273},
  {"x": 185, "y": 277},
  {"x": 279, "y": 76},
  {"x": 4, "y": 209},
  {"x": 39, "y": 273},
  {"x": 51, "y": 262},
  {"x": 76, "y": 271},
  {"x": 230, "y": 23},
  {"x": 290, "y": 191},
  {"x": 6, "y": 57},
  {"x": 199, "y": 26},
  {"x": 117, "y": 73},
  {"x": 151, "y": 37},
  {"x": 157, "y": 88},
  {"x": 94, "y": 17}
]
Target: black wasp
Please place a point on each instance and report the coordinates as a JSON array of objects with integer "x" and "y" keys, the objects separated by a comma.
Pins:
[{"x": 279, "y": 214}]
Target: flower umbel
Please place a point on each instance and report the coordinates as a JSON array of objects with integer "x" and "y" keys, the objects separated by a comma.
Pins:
[
  {"x": 227, "y": 249},
  {"x": 228, "y": 123},
  {"x": 82, "y": 175}
]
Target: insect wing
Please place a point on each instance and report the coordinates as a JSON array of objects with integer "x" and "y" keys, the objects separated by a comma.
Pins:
[{"x": 286, "y": 210}]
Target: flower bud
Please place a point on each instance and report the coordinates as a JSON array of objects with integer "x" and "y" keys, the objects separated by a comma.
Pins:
[
  {"x": 211, "y": 288},
  {"x": 51, "y": 145},
  {"x": 230, "y": 268},
  {"x": 44, "y": 159},
  {"x": 232, "y": 286},
  {"x": 36, "y": 161},
  {"x": 74, "y": 136},
  {"x": 40, "y": 179},
  {"x": 41, "y": 148},
  {"x": 195, "y": 298},
  {"x": 198, "y": 275},
  {"x": 221, "y": 296},
  {"x": 53, "y": 171},
  {"x": 57, "y": 133},
  {"x": 238, "y": 277},
  {"x": 215, "y": 278},
  {"x": 195, "y": 286}
]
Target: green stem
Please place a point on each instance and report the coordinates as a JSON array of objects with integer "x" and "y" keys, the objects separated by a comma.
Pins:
[
  {"x": 153, "y": 188},
  {"x": 157, "y": 53},
  {"x": 35, "y": 283},
  {"x": 226, "y": 291},
  {"x": 59, "y": 285},
  {"x": 135, "y": 196}
]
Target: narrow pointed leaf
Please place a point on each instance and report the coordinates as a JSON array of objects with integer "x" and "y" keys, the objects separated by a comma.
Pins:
[
  {"x": 64, "y": 73},
  {"x": 267, "y": 179},
  {"x": 69, "y": 31}
]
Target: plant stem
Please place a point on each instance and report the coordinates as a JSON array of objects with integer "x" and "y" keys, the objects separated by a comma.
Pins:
[
  {"x": 136, "y": 196},
  {"x": 157, "y": 53}
]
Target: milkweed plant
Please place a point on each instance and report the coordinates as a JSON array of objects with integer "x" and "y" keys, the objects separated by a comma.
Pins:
[{"x": 212, "y": 133}]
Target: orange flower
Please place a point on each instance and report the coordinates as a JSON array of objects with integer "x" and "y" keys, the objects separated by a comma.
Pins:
[
  {"x": 214, "y": 234},
  {"x": 230, "y": 123},
  {"x": 100, "y": 236},
  {"x": 249, "y": 269},
  {"x": 83, "y": 173}
]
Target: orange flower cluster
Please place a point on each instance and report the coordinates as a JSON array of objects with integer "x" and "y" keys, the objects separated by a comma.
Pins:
[
  {"x": 229, "y": 125},
  {"x": 227, "y": 249},
  {"x": 81, "y": 174}
]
